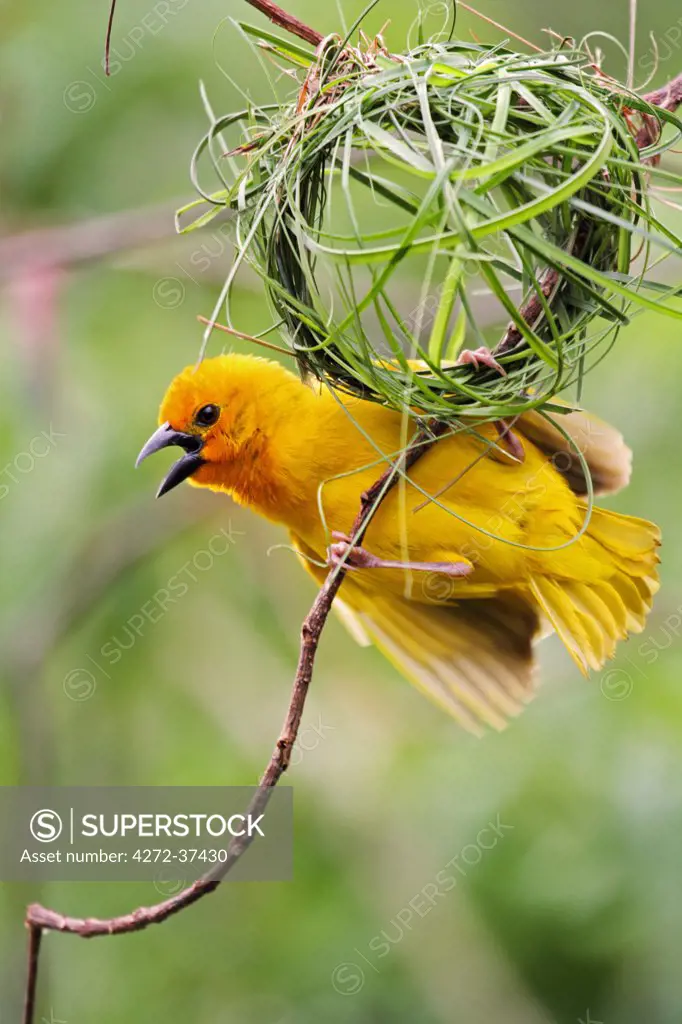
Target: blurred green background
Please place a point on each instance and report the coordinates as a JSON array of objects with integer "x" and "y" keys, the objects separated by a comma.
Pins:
[{"x": 576, "y": 912}]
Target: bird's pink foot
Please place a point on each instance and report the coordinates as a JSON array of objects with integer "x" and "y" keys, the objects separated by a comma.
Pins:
[
  {"x": 481, "y": 357},
  {"x": 343, "y": 551},
  {"x": 352, "y": 557}
]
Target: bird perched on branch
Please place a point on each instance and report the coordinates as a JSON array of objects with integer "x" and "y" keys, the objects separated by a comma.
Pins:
[{"x": 487, "y": 547}]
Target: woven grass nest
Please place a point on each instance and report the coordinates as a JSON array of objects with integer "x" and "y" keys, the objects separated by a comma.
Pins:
[{"x": 491, "y": 178}]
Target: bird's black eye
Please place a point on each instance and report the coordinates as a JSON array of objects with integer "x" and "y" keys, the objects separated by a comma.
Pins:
[{"x": 207, "y": 415}]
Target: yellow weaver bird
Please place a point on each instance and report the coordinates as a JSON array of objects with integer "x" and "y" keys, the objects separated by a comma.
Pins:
[{"x": 453, "y": 591}]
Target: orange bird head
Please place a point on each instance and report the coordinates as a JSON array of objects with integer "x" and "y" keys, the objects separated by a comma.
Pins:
[{"x": 216, "y": 412}]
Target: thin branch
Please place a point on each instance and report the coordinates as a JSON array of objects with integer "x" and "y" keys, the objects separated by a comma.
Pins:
[
  {"x": 35, "y": 937},
  {"x": 531, "y": 312},
  {"x": 213, "y": 324},
  {"x": 287, "y": 21},
  {"x": 39, "y": 918},
  {"x": 107, "y": 41},
  {"x": 669, "y": 97}
]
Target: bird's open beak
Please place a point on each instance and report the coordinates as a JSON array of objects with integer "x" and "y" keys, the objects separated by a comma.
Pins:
[{"x": 164, "y": 437}]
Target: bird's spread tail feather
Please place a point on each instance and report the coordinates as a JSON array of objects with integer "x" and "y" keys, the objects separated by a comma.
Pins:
[
  {"x": 474, "y": 658},
  {"x": 591, "y": 616}
]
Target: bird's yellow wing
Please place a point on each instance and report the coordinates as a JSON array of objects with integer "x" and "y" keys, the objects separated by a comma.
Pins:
[
  {"x": 473, "y": 658},
  {"x": 608, "y": 457}
]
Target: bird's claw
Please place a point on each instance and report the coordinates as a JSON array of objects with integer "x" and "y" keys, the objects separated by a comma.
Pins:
[
  {"x": 343, "y": 553},
  {"x": 481, "y": 357}
]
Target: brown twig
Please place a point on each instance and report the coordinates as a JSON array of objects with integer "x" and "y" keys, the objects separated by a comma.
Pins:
[
  {"x": 214, "y": 325},
  {"x": 107, "y": 41},
  {"x": 669, "y": 97},
  {"x": 531, "y": 312},
  {"x": 35, "y": 937},
  {"x": 287, "y": 21},
  {"x": 548, "y": 283},
  {"x": 39, "y": 918}
]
